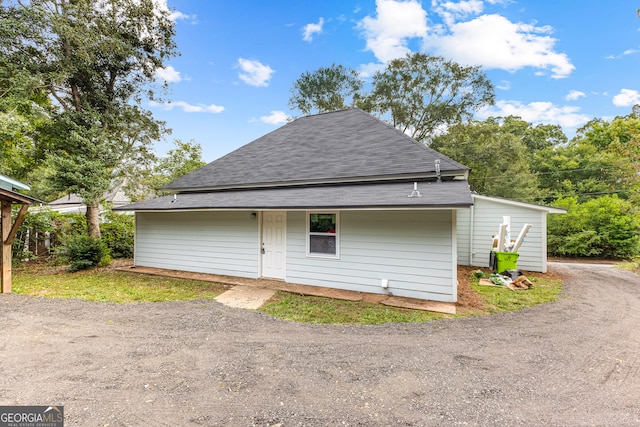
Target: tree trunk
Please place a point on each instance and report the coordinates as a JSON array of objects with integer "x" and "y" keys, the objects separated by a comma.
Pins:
[{"x": 93, "y": 219}]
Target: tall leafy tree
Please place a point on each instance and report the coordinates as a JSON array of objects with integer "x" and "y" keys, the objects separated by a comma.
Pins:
[
  {"x": 603, "y": 158},
  {"x": 23, "y": 107},
  {"x": 421, "y": 94},
  {"x": 325, "y": 89},
  {"x": 20, "y": 116},
  {"x": 96, "y": 60},
  {"x": 186, "y": 157},
  {"x": 535, "y": 138},
  {"x": 499, "y": 152}
]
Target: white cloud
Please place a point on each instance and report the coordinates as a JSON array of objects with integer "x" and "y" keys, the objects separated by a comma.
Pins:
[
  {"x": 310, "y": 29},
  {"x": 538, "y": 112},
  {"x": 168, "y": 74},
  {"x": 254, "y": 73},
  {"x": 626, "y": 98},
  {"x": 368, "y": 70},
  {"x": 503, "y": 85},
  {"x": 574, "y": 95},
  {"x": 188, "y": 108},
  {"x": 395, "y": 23},
  {"x": 495, "y": 42},
  {"x": 451, "y": 11},
  {"x": 463, "y": 8},
  {"x": 625, "y": 53},
  {"x": 466, "y": 36},
  {"x": 275, "y": 118},
  {"x": 174, "y": 15}
]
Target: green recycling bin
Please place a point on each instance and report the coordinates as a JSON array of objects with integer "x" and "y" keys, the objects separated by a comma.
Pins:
[{"x": 506, "y": 261}]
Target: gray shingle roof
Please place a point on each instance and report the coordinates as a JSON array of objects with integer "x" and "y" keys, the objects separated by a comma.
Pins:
[
  {"x": 330, "y": 147},
  {"x": 445, "y": 194}
]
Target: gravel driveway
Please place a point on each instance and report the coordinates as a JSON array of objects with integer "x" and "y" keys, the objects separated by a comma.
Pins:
[{"x": 573, "y": 362}]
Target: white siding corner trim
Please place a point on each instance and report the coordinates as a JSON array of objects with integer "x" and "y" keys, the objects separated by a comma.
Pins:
[{"x": 454, "y": 254}]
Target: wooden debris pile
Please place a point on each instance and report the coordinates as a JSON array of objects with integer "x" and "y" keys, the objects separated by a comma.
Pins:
[{"x": 518, "y": 284}]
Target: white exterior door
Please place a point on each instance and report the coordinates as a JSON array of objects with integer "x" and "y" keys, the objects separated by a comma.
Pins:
[{"x": 274, "y": 229}]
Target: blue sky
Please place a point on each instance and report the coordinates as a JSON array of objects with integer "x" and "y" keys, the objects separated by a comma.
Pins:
[{"x": 557, "y": 62}]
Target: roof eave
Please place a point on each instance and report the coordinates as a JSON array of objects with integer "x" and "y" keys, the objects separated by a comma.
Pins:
[
  {"x": 542, "y": 208},
  {"x": 15, "y": 183},
  {"x": 299, "y": 208},
  {"x": 13, "y": 197},
  {"x": 462, "y": 174}
]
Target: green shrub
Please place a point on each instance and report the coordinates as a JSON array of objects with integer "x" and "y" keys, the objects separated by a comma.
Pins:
[
  {"x": 32, "y": 232},
  {"x": 606, "y": 227},
  {"x": 117, "y": 234},
  {"x": 57, "y": 228},
  {"x": 83, "y": 252}
]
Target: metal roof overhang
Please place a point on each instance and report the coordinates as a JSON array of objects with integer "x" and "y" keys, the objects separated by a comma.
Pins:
[{"x": 445, "y": 194}]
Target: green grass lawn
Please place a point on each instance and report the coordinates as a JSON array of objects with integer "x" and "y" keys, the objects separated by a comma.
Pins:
[
  {"x": 500, "y": 300},
  {"x": 311, "y": 309},
  {"x": 110, "y": 285},
  {"x": 633, "y": 265}
]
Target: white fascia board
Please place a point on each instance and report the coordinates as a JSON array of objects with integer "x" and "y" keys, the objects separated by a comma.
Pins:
[{"x": 547, "y": 209}]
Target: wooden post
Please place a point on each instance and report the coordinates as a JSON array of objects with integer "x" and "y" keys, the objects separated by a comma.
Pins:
[
  {"x": 5, "y": 270},
  {"x": 8, "y": 233},
  {"x": 17, "y": 223}
]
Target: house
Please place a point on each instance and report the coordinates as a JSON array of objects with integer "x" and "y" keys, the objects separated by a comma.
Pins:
[
  {"x": 339, "y": 199},
  {"x": 8, "y": 197},
  {"x": 73, "y": 203},
  {"x": 477, "y": 226}
]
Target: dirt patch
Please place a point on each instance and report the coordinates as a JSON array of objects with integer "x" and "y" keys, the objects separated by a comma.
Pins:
[
  {"x": 248, "y": 297},
  {"x": 468, "y": 300}
]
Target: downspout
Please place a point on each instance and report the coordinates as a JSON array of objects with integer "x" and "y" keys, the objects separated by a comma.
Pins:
[
  {"x": 135, "y": 237},
  {"x": 472, "y": 221}
]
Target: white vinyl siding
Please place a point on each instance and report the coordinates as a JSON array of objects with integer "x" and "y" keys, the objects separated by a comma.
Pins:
[
  {"x": 413, "y": 250},
  {"x": 487, "y": 216},
  {"x": 224, "y": 243}
]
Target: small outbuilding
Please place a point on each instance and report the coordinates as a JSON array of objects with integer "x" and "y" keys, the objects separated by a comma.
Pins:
[
  {"x": 477, "y": 226},
  {"x": 73, "y": 203}
]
